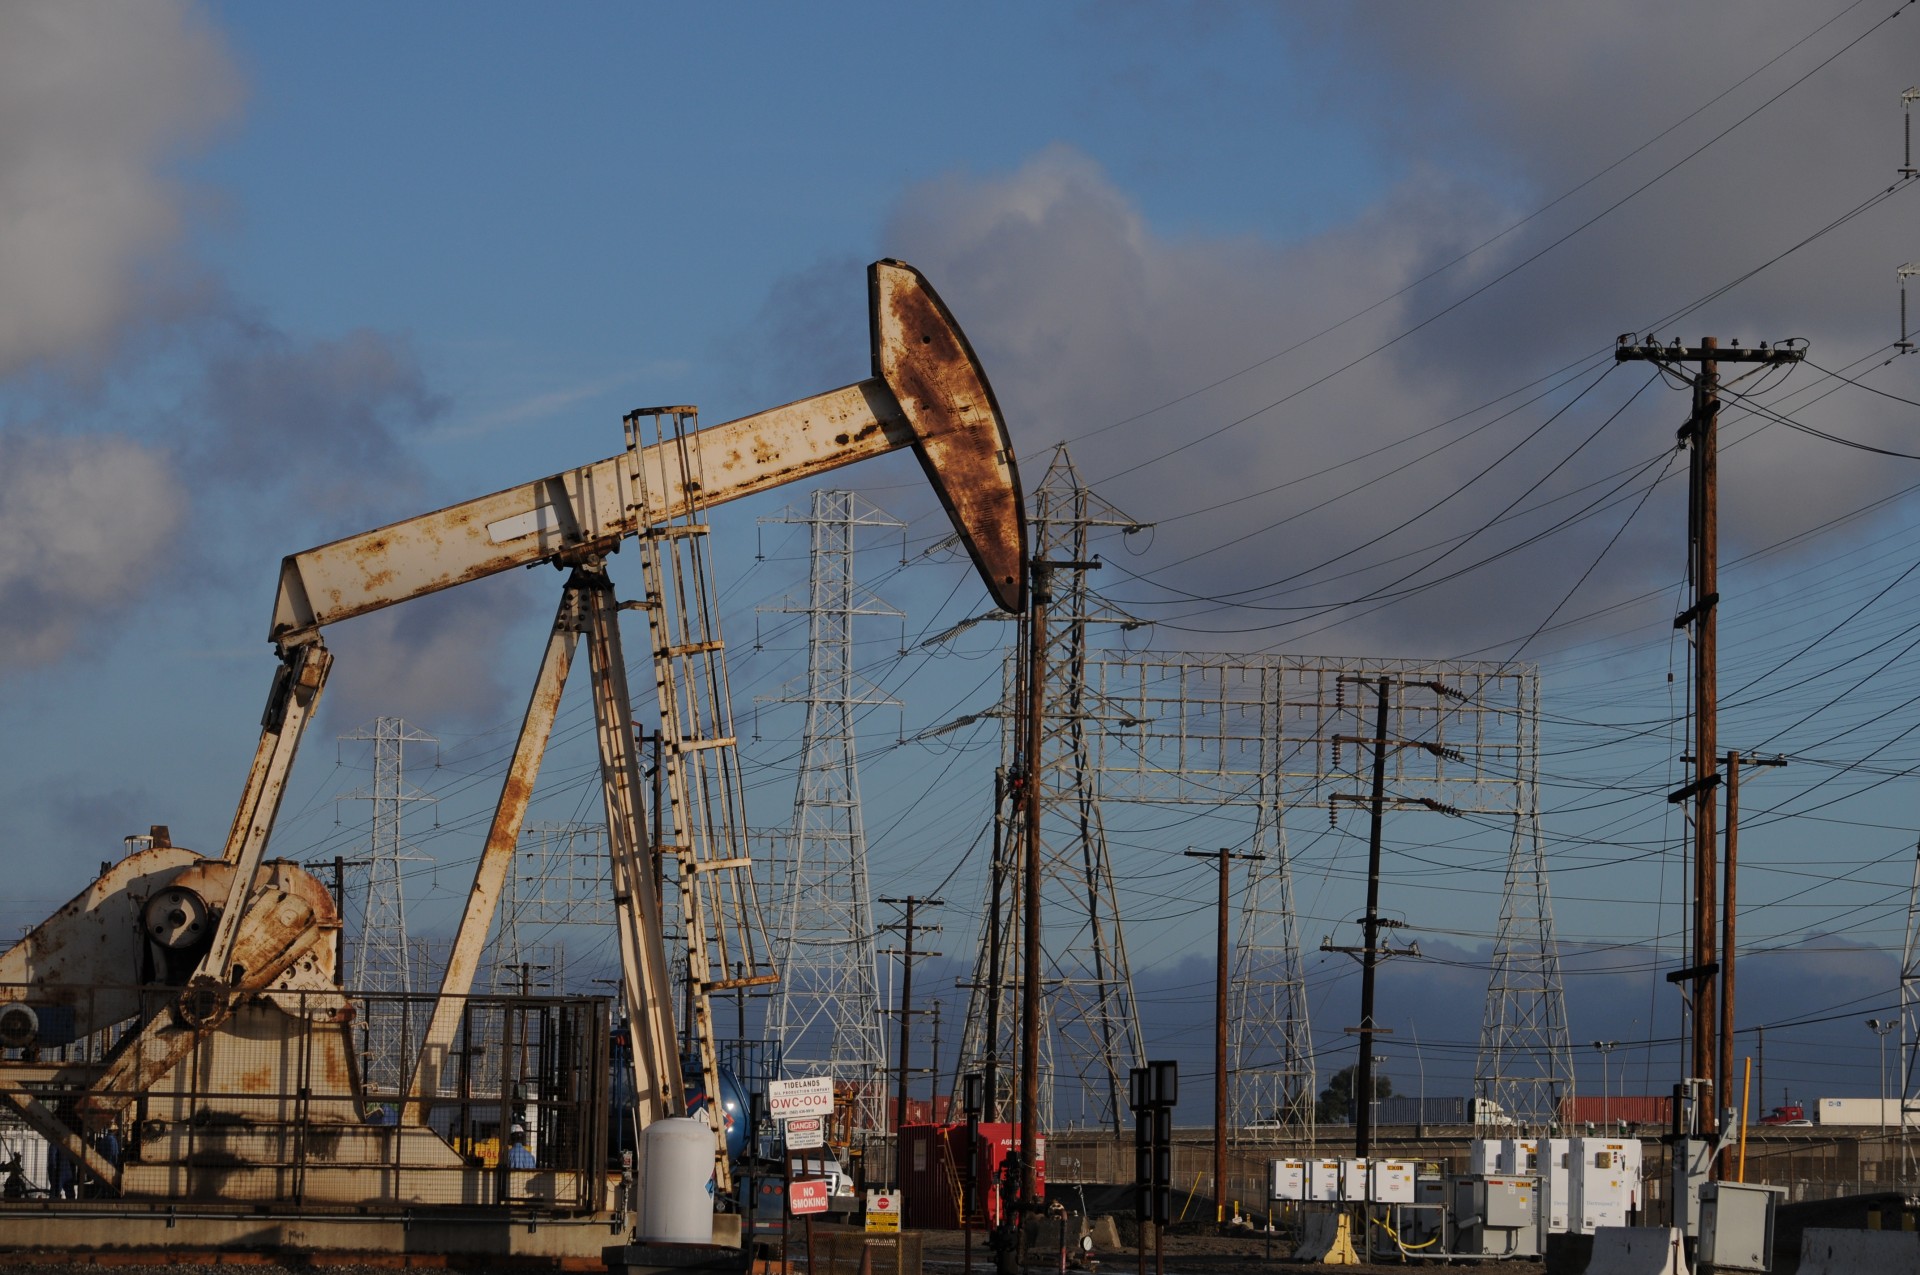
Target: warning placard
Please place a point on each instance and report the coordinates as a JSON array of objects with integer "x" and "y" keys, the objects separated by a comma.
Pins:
[
  {"x": 883, "y": 1212},
  {"x": 807, "y": 1195},
  {"x": 806, "y": 1132}
]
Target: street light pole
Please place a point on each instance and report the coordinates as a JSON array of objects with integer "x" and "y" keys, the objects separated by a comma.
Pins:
[
  {"x": 1606, "y": 1090},
  {"x": 1881, "y": 1026}
]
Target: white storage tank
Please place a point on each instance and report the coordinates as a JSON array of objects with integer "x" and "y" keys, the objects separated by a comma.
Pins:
[{"x": 676, "y": 1182}]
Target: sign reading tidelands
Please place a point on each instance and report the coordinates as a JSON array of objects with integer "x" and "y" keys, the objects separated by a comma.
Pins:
[
  {"x": 806, "y": 1096},
  {"x": 806, "y": 1132}
]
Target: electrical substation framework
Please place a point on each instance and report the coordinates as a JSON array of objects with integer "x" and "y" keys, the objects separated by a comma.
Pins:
[{"x": 1273, "y": 732}]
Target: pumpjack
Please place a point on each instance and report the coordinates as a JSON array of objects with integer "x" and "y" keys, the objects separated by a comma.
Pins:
[{"x": 191, "y": 1004}]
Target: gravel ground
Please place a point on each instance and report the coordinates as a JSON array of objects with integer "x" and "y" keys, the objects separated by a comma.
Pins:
[
  {"x": 1192, "y": 1254},
  {"x": 942, "y": 1251}
]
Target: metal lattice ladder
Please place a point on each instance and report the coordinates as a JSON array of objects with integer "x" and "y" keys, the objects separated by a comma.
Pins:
[{"x": 700, "y": 823}]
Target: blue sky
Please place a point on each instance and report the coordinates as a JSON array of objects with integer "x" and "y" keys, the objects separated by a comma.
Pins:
[{"x": 276, "y": 274}]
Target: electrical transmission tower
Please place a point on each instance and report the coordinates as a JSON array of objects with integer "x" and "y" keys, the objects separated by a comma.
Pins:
[
  {"x": 827, "y": 1014},
  {"x": 1270, "y": 1041},
  {"x": 1526, "y": 1052},
  {"x": 1090, "y": 1030},
  {"x": 382, "y": 968}
]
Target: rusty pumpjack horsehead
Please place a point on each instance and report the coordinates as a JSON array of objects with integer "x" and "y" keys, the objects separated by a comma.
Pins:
[{"x": 254, "y": 929}]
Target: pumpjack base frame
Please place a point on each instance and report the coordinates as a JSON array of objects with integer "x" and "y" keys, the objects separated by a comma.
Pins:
[{"x": 138, "y": 1233}]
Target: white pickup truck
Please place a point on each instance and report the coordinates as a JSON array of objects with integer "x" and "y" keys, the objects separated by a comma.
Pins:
[{"x": 841, "y": 1203}]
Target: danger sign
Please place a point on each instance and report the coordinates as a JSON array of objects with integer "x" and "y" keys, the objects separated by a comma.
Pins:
[
  {"x": 807, "y": 1195},
  {"x": 806, "y": 1132},
  {"x": 807, "y": 1096}
]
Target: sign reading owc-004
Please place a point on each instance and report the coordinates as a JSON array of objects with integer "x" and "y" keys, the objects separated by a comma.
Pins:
[{"x": 806, "y": 1096}]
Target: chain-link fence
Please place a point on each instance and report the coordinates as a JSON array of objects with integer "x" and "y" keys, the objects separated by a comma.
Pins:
[{"x": 178, "y": 1098}]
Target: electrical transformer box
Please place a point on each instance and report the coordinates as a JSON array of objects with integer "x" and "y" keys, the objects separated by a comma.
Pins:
[
  {"x": 1390, "y": 1182},
  {"x": 1604, "y": 1186},
  {"x": 1510, "y": 1203},
  {"x": 1736, "y": 1225},
  {"x": 1353, "y": 1181},
  {"x": 1518, "y": 1155},
  {"x": 1496, "y": 1216},
  {"x": 1323, "y": 1181},
  {"x": 1556, "y": 1182},
  {"x": 1286, "y": 1179}
]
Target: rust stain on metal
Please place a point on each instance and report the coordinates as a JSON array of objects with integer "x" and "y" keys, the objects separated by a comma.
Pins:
[{"x": 962, "y": 441}]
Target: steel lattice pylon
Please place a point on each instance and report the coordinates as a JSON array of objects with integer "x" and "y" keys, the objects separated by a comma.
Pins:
[
  {"x": 826, "y": 1014},
  {"x": 1270, "y": 1041},
  {"x": 1090, "y": 1030},
  {"x": 383, "y": 963},
  {"x": 1526, "y": 1052}
]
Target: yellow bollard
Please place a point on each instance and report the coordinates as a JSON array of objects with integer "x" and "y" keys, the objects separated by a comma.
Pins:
[{"x": 1342, "y": 1253}]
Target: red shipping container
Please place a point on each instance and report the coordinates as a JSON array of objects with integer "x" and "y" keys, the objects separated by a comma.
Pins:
[
  {"x": 1645, "y": 1110},
  {"x": 933, "y": 1160}
]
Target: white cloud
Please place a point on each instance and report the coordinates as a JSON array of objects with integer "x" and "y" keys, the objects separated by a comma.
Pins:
[
  {"x": 84, "y": 523},
  {"x": 435, "y": 661},
  {"x": 113, "y": 332},
  {"x": 1088, "y": 319},
  {"x": 97, "y": 99}
]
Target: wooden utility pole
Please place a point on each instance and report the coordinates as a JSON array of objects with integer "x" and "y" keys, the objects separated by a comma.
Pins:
[
  {"x": 1035, "y": 711},
  {"x": 908, "y": 928},
  {"x": 1701, "y": 436},
  {"x": 1370, "y": 959},
  {"x": 1036, "y": 706},
  {"x": 995, "y": 975},
  {"x": 1371, "y": 950},
  {"x": 339, "y": 863},
  {"x": 1221, "y": 975}
]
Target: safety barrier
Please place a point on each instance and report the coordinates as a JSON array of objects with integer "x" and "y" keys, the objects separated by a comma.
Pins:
[
  {"x": 1637, "y": 1250},
  {"x": 1834, "y": 1252}
]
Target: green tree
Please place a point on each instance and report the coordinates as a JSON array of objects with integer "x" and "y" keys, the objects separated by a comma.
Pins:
[{"x": 1336, "y": 1100}]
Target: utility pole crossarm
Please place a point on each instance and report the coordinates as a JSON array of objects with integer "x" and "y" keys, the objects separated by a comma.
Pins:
[{"x": 1625, "y": 350}]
